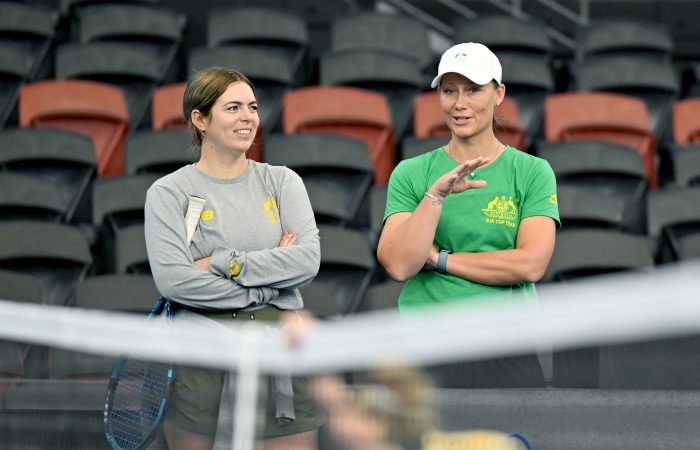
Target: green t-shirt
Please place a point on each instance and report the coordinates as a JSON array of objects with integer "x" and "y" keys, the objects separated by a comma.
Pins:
[{"x": 519, "y": 185}]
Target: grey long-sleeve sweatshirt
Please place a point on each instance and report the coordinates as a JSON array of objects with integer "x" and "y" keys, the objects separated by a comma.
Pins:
[{"x": 240, "y": 228}]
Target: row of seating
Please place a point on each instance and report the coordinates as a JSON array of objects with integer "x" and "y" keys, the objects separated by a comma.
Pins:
[
  {"x": 385, "y": 52},
  {"x": 100, "y": 111},
  {"x": 49, "y": 174},
  {"x": 601, "y": 221}
]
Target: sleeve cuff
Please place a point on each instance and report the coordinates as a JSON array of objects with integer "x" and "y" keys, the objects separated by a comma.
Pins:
[{"x": 226, "y": 263}]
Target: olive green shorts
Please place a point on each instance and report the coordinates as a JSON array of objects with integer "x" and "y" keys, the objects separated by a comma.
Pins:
[{"x": 194, "y": 402}]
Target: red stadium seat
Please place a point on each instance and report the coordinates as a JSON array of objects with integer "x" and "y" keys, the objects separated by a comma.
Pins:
[
  {"x": 606, "y": 117},
  {"x": 428, "y": 120},
  {"x": 89, "y": 107},
  {"x": 166, "y": 107},
  {"x": 686, "y": 121},
  {"x": 349, "y": 111}
]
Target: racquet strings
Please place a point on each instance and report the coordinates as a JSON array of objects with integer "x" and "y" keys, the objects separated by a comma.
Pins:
[{"x": 138, "y": 401}]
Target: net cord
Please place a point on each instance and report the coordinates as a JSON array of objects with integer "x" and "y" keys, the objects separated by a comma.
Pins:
[{"x": 607, "y": 309}]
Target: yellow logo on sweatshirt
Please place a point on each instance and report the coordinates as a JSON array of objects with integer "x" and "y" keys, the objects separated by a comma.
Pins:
[
  {"x": 207, "y": 215},
  {"x": 271, "y": 210},
  {"x": 234, "y": 268}
]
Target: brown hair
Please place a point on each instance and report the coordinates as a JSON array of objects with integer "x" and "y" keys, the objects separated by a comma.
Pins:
[{"x": 201, "y": 93}]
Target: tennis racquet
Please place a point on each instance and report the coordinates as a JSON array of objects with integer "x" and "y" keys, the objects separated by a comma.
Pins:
[
  {"x": 138, "y": 390},
  {"x": 137, "y": 397}
]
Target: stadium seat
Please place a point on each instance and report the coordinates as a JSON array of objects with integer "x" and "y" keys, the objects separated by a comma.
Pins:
[
  {"x": 505, "y": 34},
  {"x": 382, "y": 297},
  {"x": 270, "y": 72},
  {"x": 63, "y": 159},
  {"x": 413, "y": 146},
  {"x": 15, "y": 67},
  {"x": 394, "y": 75},
  {"x": 71, "y": 7},
  {"x": 122, "y": 293},
  {"x": 337, "y": 172},
  {"x": 132, "y": 293},
  {"x": 673, "y": 213},
  {"x": 96, "y": 109},
  {"x": 689, "y": 247},
  {"x": 347, "y": 265},
  {"x": 598, "y": 184},
  {"x": 686, "y": 165},
  {"x": 655, "y": 83},
  {"x": 582, "y": 206},
  {"x": 686, "y": 121},
  {"x": 349, "y": 111},
  {"x": 624, "y": 36},
  {"x": 377, "y": 30},
  {"x": 20, "y": 287},
  {"x": 377, "y": 207},
  {"x": 158, "y": 151},
  {"x": 166, "y": 107},
  {"x": 11, "y": 362},
  {"x": 428, "y": 120},
  {"x": 31, "y": 28},
  {"x": 66, "y": 364},
  {"x": 23, "y": 197},
  {"x": 154, "y": 26},
  {"x": 130, "y": 251},
  {"x": 320, "y": 300},
  {"x": 603, "y": 116},
  {"x": 118, "y": 201},
  {"x": 57, "y": 254},
  {"x": 587, "y": 252},
  {"x": 529, "y": 80},
  {"x": 25, "y": 288},
  {"x": 265, "y": 27},
  {"x": 132, "y": 67}
]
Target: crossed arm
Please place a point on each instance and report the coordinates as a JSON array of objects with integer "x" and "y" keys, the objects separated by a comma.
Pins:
[{"x": 406, "y": 243}]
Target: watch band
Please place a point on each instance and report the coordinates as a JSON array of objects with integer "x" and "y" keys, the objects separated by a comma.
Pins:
[{"x": 442, "y": 261}]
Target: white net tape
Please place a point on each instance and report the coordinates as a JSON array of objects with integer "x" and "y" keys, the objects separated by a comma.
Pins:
[{"x": 608, "y": 309}]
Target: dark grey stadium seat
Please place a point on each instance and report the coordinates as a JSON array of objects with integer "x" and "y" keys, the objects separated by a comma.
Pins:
[
  {"x": 337, "y": 172},
  {"x": 134, "y": 68},
  {"x": 65, "y": 160},
  {"x": 158, "y": 151},
  {"x": 265, "y": 27}
]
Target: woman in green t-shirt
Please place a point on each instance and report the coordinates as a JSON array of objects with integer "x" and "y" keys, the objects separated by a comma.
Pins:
[{"x": 474, "y": 218}]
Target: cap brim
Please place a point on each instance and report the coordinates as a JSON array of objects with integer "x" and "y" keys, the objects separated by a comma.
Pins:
[{"x": 476, "y": 78}]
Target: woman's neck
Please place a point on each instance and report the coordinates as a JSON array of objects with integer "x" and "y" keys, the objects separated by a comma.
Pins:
[
  {"x": 463, "y": 150},
  {"x": 222, "y": 165}
]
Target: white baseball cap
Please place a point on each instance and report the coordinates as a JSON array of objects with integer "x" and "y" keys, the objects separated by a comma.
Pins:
[{"x": 474, "y": 61}]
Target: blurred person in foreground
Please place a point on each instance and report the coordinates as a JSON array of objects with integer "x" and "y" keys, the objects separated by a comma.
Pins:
[
  {"x": 393, "y": 410},
  {"x": 474, "y": 219}
]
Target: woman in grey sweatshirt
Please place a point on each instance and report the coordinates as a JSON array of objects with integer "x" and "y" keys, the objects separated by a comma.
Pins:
[{"x": 256, "y": 242}]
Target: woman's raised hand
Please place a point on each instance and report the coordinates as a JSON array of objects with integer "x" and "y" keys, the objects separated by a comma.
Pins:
[{"x": 457, "y": 180}]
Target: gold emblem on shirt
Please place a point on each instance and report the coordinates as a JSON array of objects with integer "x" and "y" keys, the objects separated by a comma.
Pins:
[
  {"x": 271, "y": 210},
  {"x": 501, "y": 210},
  {"x": 553, "y": 199},
  {"x": 234, "y": 268},
  {"x": 207, "y": 215}
]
